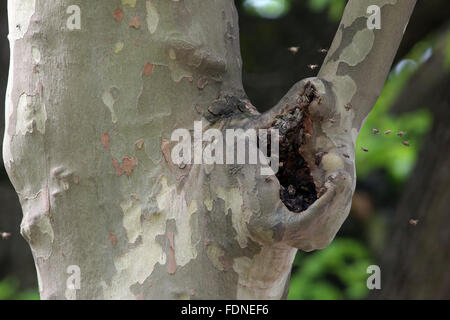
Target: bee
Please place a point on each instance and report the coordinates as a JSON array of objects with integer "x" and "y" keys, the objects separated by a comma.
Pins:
[
  {"x": 291, "y": 190},
  {"x": 387, "y": 131},
  {"x": 323, "y": 50},
  {"x": 405, "y": 143},
  {"x": 364, "y": 149},
  {"x": 401, "y": 134},
  {"x": 346, "y": 155},
  {"x": 294, "y": 50},
  {"x": 5, "y": 235},
  {"x": 313, "y": 66},
  {"x": 375, "y": 131},
  {"x": 348, "y": 106},
  {"x": 413, "y": 222}
]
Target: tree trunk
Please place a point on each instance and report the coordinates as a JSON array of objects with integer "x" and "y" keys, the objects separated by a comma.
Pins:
[{"x": 90, "y": 115}]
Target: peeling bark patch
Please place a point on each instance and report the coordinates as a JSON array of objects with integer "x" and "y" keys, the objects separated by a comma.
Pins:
[
  {"x": 171, "y": 265},
  {"x": 239, "y": 217},
  {"x": 105, "y": 140},
  {"x": 174, "y": 206},
  {"x": 127, "y": 167},
  {"x": 118, "y": 15},
  {"x": 20, "y": 12},
  {"x": 202, "y": 83},
  {"x": 135, "y": 22},
  {"x": 214, "y": 253},
  {"x": 152, "y": 16},
  {"x": 36, "y": 227},
  {"x": 36, "y": 54},
  {"x": 131, "y": 3},
  {"x": 359, "y": 48},
  {"x": 298, "y": 190},
  {"x": 132, "y": 212},
  {"x": 140, "y": 144},
  {"x": 148, "y": 69},
  {"x": 118, "y": 46},
  {"x": 31, "y": 114},
  {"x": 109, "y": 98}
]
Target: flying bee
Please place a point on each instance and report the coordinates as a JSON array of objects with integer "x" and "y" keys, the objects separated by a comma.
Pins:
[
  {"x": 387, "y": 131},
  {"x": 313, "y": 66},
  {"x": 293, "y": 50},
  {"x": 375, "y": 131},
  {"x": 405, "y": 143},
  {"x": 365, "y": 149},
  {"x": 323, "y": 51},
  {"x": 401, "y": 134},
  {"x": 5, "y": 235}
]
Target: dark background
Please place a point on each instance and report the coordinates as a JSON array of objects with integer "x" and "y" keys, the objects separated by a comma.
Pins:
[{"x": 395, "y": 183}]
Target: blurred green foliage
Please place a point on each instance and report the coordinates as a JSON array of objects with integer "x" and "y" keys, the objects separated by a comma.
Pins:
[
  {"x": 270, "y": 9},
  {"x": 447, "y": 52},
  {"x": 273, "y": 9},
  {"x": 335, "y": 7},
  {"x": 339, "y": 272},
  {"x": 9, "y": 290}
]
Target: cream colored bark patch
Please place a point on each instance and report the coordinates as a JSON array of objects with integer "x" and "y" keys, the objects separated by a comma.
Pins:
[
  {"x": 36, "y": 54},
  {"x": 132, "y": 212},
  {"x": 149, "y": 253},
  {"x": 359, "y": 48},
  {"x": 109, "y": 100},
  {"x": 30, "y": 114},
  {"x": 171, "y": 205},
  {"x": 152, "y": 16},
  {"x": 214, "y": 254},
  {"x": 240, "y": 218},
  {"x": 36, "y": 227},
  {"x": 131, "y": 3},
  {"x": 174, "y": 206},
  {"x": 19, "y": 17}
]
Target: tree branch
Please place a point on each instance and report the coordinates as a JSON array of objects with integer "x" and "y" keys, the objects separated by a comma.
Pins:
[
  {"x": 320, "y": 145},
  {"x": 359, "y": 59}
]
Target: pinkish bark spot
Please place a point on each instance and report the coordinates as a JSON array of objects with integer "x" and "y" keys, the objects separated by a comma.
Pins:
[
  {"x": 105, "y": 140},
  {"x": 118, "y": 15},
  {"x": 172, "y": 265},
  {"x": 148, "y": 69},
  {"x": 112, "y": 238},
  {"x": 135, "y": 22},
  {"x": 127, "y": 166},
  {"x": 202, "y": 82}
]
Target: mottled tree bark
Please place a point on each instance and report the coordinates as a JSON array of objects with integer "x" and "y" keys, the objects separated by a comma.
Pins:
[{"x": 90, "y": 114}]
